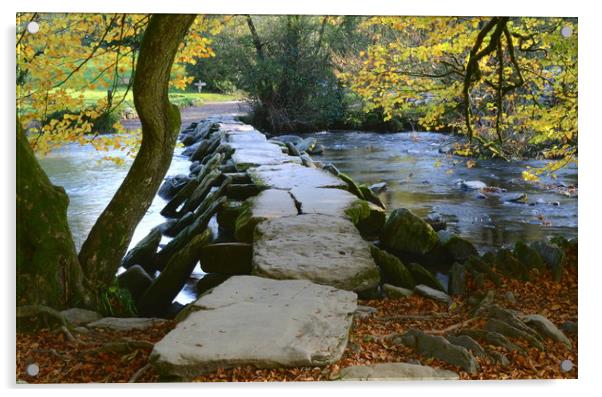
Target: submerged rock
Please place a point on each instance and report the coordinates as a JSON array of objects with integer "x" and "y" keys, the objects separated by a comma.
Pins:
[
  {"x": 172, "y": 185},
  {"x": 472, "y": 185},
  {"x": 378, "y": 188},
  {"x": 404, "y": 231},
  {"x": 261, "y": 322}
]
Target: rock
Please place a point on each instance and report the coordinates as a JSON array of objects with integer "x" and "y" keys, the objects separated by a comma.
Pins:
[
  {"x": 172, "y": 185},
  {"x": 460, "y": 249},
  {"x": 142, "y": 254},
  {"x": 440, "y": 348},
  {"x": 364, "y": 312},
  {"x": 472, "y": 185},
  {"x": 436, "y": 221},
  {"x": 468, "y": 343},
  {"x": 475, "y": 264},
  {"x": 528, "y": 256},
  {"x": 552, "y": 256},
  {"x": 509, "y": 297},
  {"x": 404, "y": 231},
  {"x": 331, "y": 168},
  {"x": 352, "y": 187},
  {"x": 242, "y": 192},
  {"x": 176, "y": 227},
  {"x": 227, "y": 215},
  {"x": 261, "y": 322},
  {"x": 324, "y": 249},
  {"x": 371, "y": 196},
  {"x": 269, "y": 204},
  {"x": 378, "y": 187},
  {"x": 516, "y": 198},
  {"x": 307, "y": 161},
  {"x": 546, "y": 328},
  {"x": 307, "y": 145},
  {"x": 136, "y": 280},
  {"x": 293, "y": 139},
  {"x": 292, "y": 149},
  {"x": 569, "y": 327},
  {"x": 501, "y": 327},
  {"x": 126, "y": 323},
  {"x": 492, "y": 338},
  {"x": 393, "y": 292},
  {"x": 367, "y": 217},
  {"x": 227, "y": 258},
  {"x": 159, "y": 295},
  {"x": 288, "y": 176},
  {"x": 432, "y": 293},
  {"x": 209, "y": 281},
  {"x": 444, "y": 236},
  {"x": 77, "y": 316},
  {"x": 457, "y": 280},
  {"x": 393, "y": 270},
  {"x": 423, "y": 276},
  {"x": 480, "y": 196},
  {"x": 509, "y": 265},
  {"x": 370, "y": 294},
  {"x": 395, "y": 372},
  {"x": 498, "y": 357}
]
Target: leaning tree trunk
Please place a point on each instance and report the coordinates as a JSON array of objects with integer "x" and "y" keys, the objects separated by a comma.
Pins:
[
  {"x": 48, "y": 272},
  {"x": 108, "y": 240}
]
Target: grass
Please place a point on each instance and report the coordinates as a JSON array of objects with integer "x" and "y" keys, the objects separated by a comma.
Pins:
[{"x": 181, "y": 99}]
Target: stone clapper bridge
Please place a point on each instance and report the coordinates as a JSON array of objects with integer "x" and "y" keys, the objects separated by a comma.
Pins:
[{"x": 295, "y": 306}]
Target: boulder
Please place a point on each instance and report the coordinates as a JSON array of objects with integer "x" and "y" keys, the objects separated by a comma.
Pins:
[
  {"x": 393, "y": 270},
  {"x": 546, "y": 328},
  {"x": 352, "y": 187},
  {"x": 172, "y": 185},
  {"x": 226, "y": 216},
  {"x": 324, "y": 249},
  {"x": 520, "y": 198},
  {"x": 459, "y": 249},
  {"x": 227, "y": 258},
  {"x": 395, "y": 372},
  {"x": 423, "y": 276},
  {"x": 404, "y": 231},
  {"x": 126, "y": 323},
  {"x": 436, "y": 221},
  {"x": 261, "y": 322},
  {"x": 142, "y": 254},
  {"x": 370, "y": 196},
  {"x": 432, "y": 293},
  {"x": 507, "y": 264},
  {"x": 136, "y": 280},
  {"x": 77, "y": 316},
  {"x": 209, "y": 281},
  {"x": 331, "y": 168},
  {"x": 241, "y": 192},
  {"x": 440, "y": 348}
]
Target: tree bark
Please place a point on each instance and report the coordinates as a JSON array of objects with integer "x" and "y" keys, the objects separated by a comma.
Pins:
[
  {"x": 48, "y": 272},
  {"x": 108, "y": 240}
]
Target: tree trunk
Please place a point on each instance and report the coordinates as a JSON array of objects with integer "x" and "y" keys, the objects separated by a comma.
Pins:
[
  {"x": 48, "y": 272},
  {"x": 108, "y": 240}
]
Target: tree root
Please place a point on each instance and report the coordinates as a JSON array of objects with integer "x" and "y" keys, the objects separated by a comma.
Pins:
[
  {"x": 124, "y": 346},
  {"x": 36, "y": 310},
  {"x": 139, "y": 373}
]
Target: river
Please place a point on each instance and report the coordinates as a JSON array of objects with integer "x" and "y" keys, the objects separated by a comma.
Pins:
[{"x": 417, "y": 175}]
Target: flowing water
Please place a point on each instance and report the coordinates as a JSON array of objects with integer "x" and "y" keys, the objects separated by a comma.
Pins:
[{"x": 417, "y": 175}]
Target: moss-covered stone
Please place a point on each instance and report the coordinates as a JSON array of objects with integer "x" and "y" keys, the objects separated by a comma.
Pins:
[
  {"x": 404, "y": 231},
  {"x": 368, "y": 218},
  {"x": 423, "y": 276},
  {"x": 352, "y": 187},
  {"x": 394, "y": 271},
  {"x": 370, "y": 196},
  {"x": 459, "y": 249},
  {"x": 528, "y": 256},
  {"x": 509, "y": 265}
]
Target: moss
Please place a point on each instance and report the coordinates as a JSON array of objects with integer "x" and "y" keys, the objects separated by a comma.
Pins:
[
  {"x": 394, "y": 271},
  {"x": 406, "y": 232},
  {"x": 352, "y": 187}
]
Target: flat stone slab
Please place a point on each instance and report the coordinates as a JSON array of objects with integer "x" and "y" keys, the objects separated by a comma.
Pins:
[
  {"x": 288, "y": 176},
  {"x": 395, "y": 372},
  {"x": 259, "y": 154},
  {"x": 324, "y": 249},
  {"x": 79, "y": 316},
  {"x": 126, "y": 324},
  {"x": 267, "y": 323},
  {"x": 269, "y": 204},
  {"x": 432, "y": 293}
]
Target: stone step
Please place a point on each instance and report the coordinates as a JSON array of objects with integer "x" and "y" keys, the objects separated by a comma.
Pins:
[{"x": 256, "y": 321}]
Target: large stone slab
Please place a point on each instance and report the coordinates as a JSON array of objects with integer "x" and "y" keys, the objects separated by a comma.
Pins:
[
  {"x": 395, "y": 372},
  {"x": 367, "y": 217},
  {"x": 290, "y": 175},
  {"x": 269, "y": 204},
  {"x": 259, "y": 154},
  {"x": 250, "y": 320},
  {"x": 324, "y": 249},
  {"x": 126, "y": 323}
]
